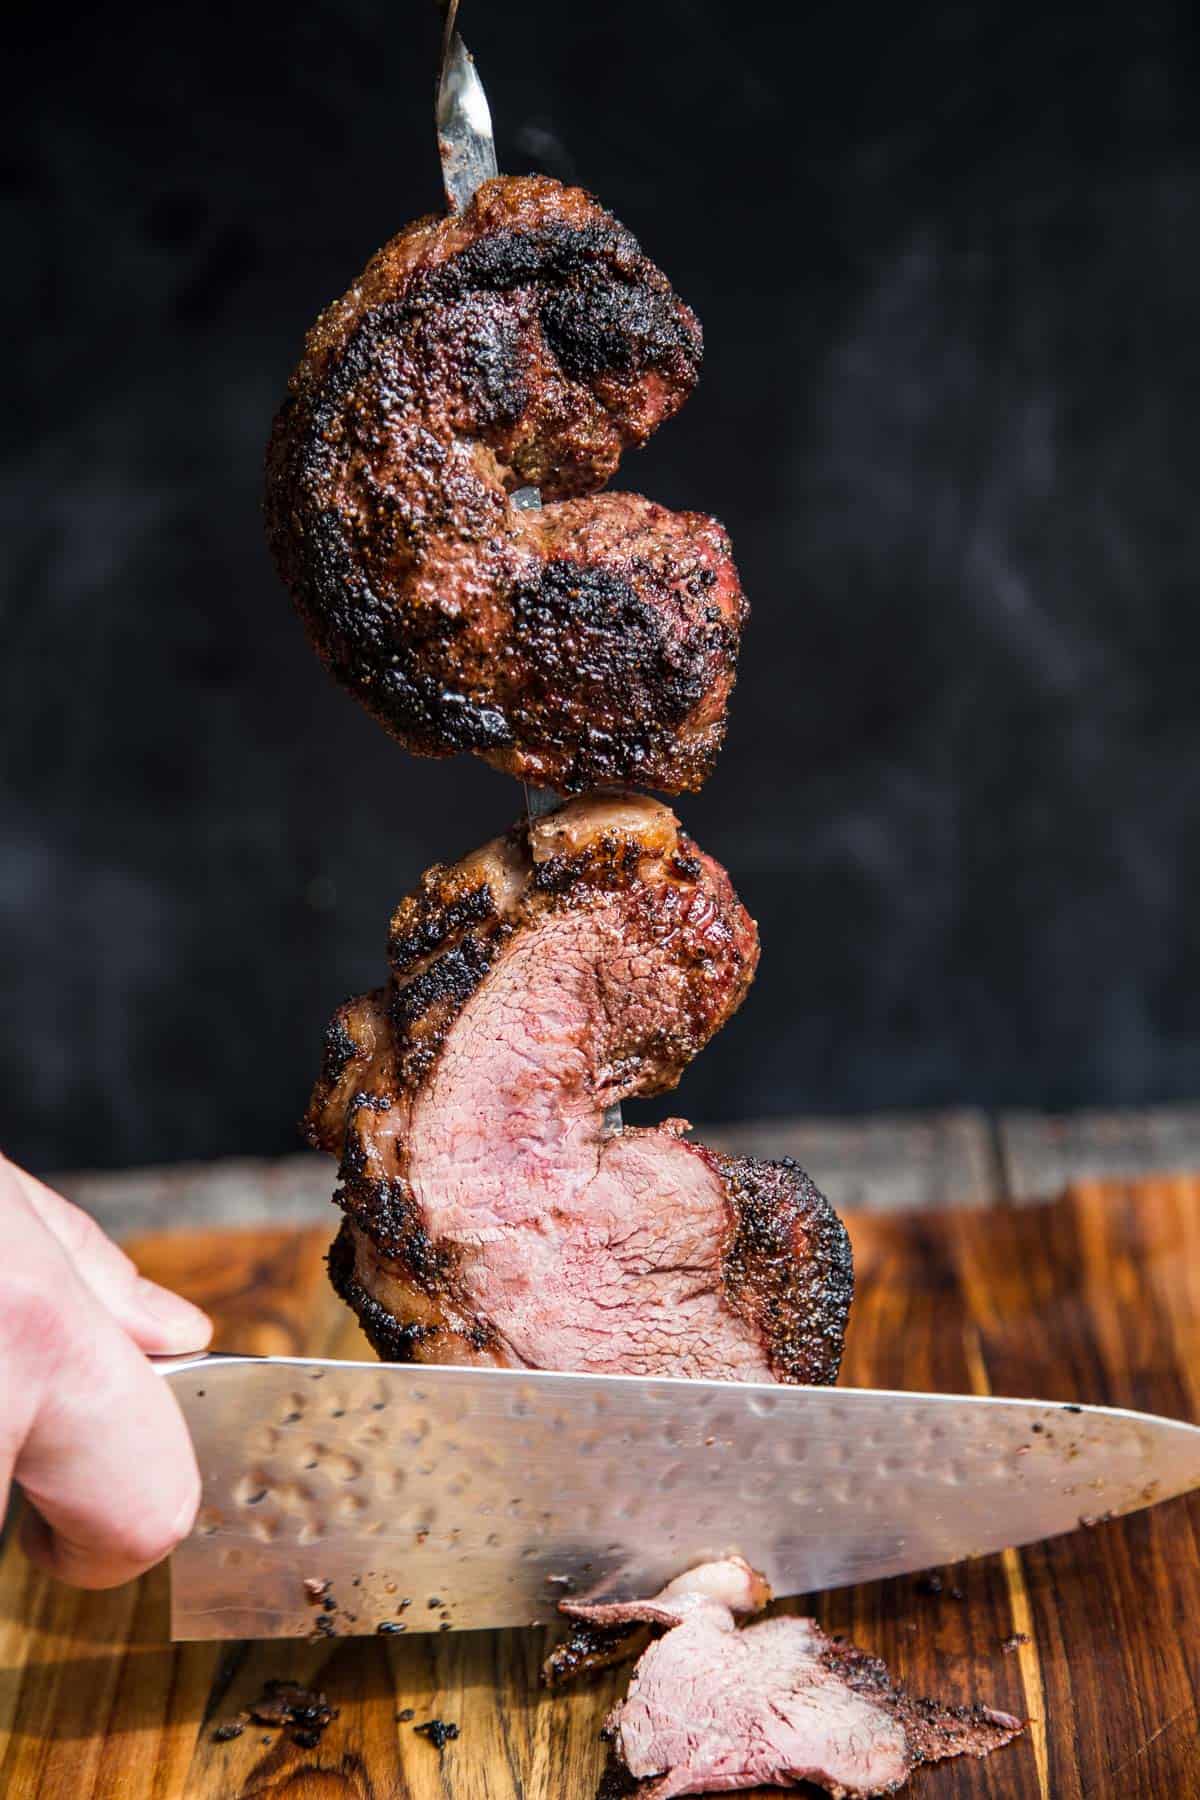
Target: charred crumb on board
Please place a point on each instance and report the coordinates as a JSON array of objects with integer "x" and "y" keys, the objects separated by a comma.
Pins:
[
  {"x": 438, "y": 1731},
  {"x": 303, "y": 1712},
  {"x": 288, "y": 1703}
]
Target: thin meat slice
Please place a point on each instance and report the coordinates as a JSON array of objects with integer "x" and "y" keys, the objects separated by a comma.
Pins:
[
  {"x": 712, "y": 1709},
  {"x": 524, "y": 342},
  {"x": 580, "y": 960},
  {"x": 608, "y": 1632}
]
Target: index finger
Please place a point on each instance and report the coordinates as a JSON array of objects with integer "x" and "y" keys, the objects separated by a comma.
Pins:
[
  {"x": 156, "y": 1319},
  {"x": 98, "y": 1442}
]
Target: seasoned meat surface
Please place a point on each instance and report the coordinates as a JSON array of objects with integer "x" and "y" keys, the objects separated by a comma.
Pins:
[
  {"x": 713, "y": 1708},
  {"x": 580, "y": 960},
  {"x": 525, "y": 341}
]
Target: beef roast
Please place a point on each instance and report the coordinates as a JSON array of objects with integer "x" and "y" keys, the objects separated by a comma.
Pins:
[
  {"x": 582, "y": 959},
  {"x": 523, "y": 341},
  {"x": 712, "y": 1708}
]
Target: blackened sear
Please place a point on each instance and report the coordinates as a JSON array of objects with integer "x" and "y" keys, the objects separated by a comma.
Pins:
[{"x": 525, "y": 341}]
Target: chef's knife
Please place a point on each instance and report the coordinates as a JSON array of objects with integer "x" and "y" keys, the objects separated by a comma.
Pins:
[{"x": 361, "y": 1497}]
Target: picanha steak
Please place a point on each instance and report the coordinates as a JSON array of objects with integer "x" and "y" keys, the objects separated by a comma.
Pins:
[
  {"x": 582, "y": 959},
  {"x": 524, "y": 342}
]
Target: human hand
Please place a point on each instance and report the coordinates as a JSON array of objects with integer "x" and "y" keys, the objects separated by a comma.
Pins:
[{"x": 87, "y": 1429}]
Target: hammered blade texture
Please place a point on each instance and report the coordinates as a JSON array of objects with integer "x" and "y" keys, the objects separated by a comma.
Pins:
[{"x": 447, "y": 1498}]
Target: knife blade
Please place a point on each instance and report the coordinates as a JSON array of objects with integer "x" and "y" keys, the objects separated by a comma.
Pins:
[{"x": 430, "y": 1496}]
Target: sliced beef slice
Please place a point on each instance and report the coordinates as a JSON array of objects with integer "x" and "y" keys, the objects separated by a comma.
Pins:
[{"x": 711, "y": 1708}]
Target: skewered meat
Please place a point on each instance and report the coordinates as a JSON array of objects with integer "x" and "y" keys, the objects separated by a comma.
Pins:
[
  {"x": 582, "y": 959},
  {"x": 711, "y": 1707},
  {"x": 524, "y": 341}
]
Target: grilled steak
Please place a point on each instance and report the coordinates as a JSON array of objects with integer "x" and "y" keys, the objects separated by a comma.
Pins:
[
  {"x": 524, "y": 341},
  {"x": 711, "y": 1707},
  {"x": 580, "y": 960}
]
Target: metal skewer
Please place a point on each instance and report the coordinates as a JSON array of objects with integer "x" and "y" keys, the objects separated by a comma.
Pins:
[
  {"x": 464, "y": 119},
  {"x": 467, "y": 149}
]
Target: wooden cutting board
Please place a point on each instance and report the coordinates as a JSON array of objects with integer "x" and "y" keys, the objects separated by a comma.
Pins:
[{"x": 1095, "y": 1298}]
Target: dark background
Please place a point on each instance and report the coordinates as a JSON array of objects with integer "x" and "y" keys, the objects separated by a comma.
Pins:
[{"x": 947, "y": 261}]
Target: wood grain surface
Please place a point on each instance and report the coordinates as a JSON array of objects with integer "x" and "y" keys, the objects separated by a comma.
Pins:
[{"x": 1095, "y": 1297}]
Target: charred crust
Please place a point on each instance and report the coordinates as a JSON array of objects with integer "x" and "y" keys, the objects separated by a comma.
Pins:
[
  {"x": 424, "y": 1009},
  {"x": 609, "y": 309},
  {"x": 788, "y": 1265},
  {"x": 609, "y": 864},
  {"x": 602, "y": 676},
  {"x": 588, "y": 1648},
  {"x": 324, "y": 1121},
  {"x": 932, "y": 1730},
  {"x": 596, "y": 325},
  {"x": 353, "y": 1164},
  {"x": 391, "y": 1340},
  {"x": 338, "y": 1051},
  {"x": 386, "y": 1213},
  {"x": 425, "y": 924}
]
